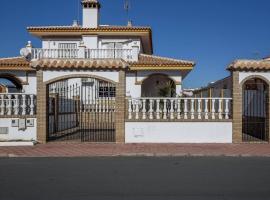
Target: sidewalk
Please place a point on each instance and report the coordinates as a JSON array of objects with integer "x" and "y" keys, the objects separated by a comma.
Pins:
[{"x": 91, "y": 150}]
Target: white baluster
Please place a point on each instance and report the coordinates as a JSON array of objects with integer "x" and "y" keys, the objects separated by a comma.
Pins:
[
  {"x": 172, "y": 109},
  {"x": 151, "y": 110},
  {"x": 16, "y": 105},
  {"x": 137, "y": 109},
  {"x": 23, "y": 104},
  {"x": 199, "y": 109},
  {"x": 32, "y": 106},
  {"x": 2, "y": 105},
  {"x": 185, "y": 109},
  {"x": 104, "y": 105},
  {"x": 227, "y": 109},
  {"x": 213, "y": 109},
  {"x": 100, "y": 106},
  {"x": 130, "y": 109},
  {"x": 9, "y": 105},
  {"x": 158, "y": 109},
  {"x": 165, "y": 109},
  {"x": 179, "y": 109},
  {"x": 144, "y": 109},
  {"x": 206, "y": 116},
  {"x": 192, "y": 110},
  {"x": 220, "y": 109}
]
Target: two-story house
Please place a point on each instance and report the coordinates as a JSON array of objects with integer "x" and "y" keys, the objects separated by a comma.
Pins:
[{"x": 102, "y": 83}]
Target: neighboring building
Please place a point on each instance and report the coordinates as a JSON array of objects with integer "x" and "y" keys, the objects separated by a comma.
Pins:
[{"x": 221, "y": 88}]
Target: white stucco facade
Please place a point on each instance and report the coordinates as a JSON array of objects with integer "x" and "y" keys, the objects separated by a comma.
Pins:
[
  {"x": 245, "y": 75},
  {"x": 111, "y": 75},
  {"x": 178, "y": 132},
  {"x": 14, "y": 134}
]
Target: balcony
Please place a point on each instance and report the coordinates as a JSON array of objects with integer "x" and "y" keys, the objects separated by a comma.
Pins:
[{"x": 83, "y": 53}]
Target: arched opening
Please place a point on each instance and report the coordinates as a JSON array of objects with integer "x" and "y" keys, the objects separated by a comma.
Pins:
[
  {"x": 10, "y": 84},
  {"x": 158, "y": 85},
  {"x": 255, "y": 114},
  {"x": 81, "y": 108}
]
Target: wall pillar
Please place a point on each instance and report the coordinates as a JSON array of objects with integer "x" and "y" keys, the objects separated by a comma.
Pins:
[
  {"x": 120, "y": 108},
  {"x": 236, "y": 108},
  {"x": 41, "y": 109}
]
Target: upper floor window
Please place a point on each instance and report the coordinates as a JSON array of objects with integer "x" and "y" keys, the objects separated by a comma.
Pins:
[
  {"x": 114, "y": 45},
  {"x": 67, "y": 50}
]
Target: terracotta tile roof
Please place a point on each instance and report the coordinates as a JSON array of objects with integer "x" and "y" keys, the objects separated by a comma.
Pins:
[
  {"x": 89, "y": 1},
  {"x": 79, "y": 64},
  {"x": 79, "y": 28},
  {"x": 250, "y": 65},
  {"x": 267, "y": 58},
  {"x": 157, "y": 61},
  {"x": 15, "y": 63}
]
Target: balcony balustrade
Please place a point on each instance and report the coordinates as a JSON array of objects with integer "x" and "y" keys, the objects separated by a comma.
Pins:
[
  {"x": 179, "y": 109},
  {"x": 125, "y": 54}
]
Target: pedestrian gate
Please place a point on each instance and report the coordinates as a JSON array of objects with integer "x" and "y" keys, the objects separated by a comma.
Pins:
[
  {"x": 81, "y": 109},
  {"x": 255, "y": 111}
]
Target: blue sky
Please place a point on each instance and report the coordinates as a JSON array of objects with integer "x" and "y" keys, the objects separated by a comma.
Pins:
[{"x": 211, "y": 32}]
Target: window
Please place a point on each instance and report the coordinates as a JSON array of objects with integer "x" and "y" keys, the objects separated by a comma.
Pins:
[
  {"x": 67, "y": 50},
  {"x": 106, "y": 90},
  {"x": 67, "y": 46}
]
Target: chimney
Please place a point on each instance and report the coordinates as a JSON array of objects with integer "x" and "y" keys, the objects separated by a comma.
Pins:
[
  {"x": 90, "y": 13},
  {"x": 129, "y": 23},
  {"x": 75, "y": 23}
]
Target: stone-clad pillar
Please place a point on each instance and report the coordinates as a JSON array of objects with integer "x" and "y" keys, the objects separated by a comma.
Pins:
[
  {"x": 41, "y": 109},
  {"x": 120, "y": 108},
  {"x": 237, "y": 107}
]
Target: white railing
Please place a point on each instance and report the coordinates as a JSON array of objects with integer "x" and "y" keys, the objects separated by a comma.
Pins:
[
  {"x": 125, "y": 54},
  {"x": 38, "y": 53},
  {"x": 179, "y": 108},
  {"x": 17, "y": 104}
]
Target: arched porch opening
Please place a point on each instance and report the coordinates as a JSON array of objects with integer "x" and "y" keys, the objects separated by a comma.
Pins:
[
  {"x": 10, "y": 84},
  {"x": 158, "y": 85}
]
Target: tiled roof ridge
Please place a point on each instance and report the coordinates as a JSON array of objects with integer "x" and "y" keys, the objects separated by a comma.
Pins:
[
  {"x": 79, "y": 63},
  {"x": 11, "y": 58},
  {"x": 84, "y": 28},
  {"x": 249, "y": 64},
  {"x": 168, "y": 59}
]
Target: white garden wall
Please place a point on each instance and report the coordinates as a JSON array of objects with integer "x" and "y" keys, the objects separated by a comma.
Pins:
[
  {"x": 14, "y": 134},
  {"x": 178, "y": 132}
]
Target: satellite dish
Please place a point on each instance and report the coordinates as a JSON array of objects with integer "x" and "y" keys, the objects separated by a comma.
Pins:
[{"x": 25, "y": 52}]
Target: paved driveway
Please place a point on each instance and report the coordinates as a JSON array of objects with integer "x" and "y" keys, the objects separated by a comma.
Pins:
[{"x": 134, "y": 178}]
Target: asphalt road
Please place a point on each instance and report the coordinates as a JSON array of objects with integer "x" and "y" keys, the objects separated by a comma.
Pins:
[{"x": 134, "y": 178}]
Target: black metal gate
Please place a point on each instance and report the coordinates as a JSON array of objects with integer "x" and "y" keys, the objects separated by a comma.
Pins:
[
  {"x": 81, "y": 109},
  {"x": 255, "y": 111}
]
